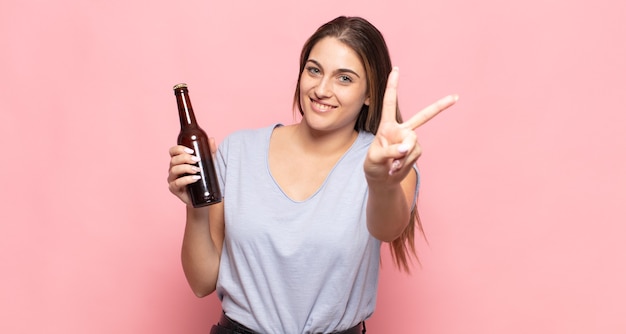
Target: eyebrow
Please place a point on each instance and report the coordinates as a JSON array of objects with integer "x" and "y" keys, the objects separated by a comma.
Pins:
[{"x": 339, "y": 70}]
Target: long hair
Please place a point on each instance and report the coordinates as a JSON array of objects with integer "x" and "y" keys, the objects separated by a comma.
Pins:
[{"x": 368, "y": 43}]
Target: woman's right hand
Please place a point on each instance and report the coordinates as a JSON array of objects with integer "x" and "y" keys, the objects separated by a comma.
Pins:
[{"x": 183, "y": 162}]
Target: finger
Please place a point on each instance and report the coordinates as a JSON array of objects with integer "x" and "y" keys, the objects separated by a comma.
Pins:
[
  {"x": 178, "y": 185},
  {"x": 409, "y": 160},
  {"x": 390, "y": 100},
  {"x": 182, "y": 159},
  {"x": 179, "y": 149},
  {"x": 408, "y": 143},
  {"x": 431, "y": 111},
  {"x": 393, "y": 142},
  {"x": 403, "y": 164},
  {"x": 178, "y": 170},
  {"x": 408, "y": 152}
]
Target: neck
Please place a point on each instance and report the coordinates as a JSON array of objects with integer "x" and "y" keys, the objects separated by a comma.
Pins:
[{"x": 323, "y": 142}]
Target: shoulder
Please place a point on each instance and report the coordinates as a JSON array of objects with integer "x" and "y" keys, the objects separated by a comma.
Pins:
[
  {"x": 248, "y": 135},
  {"x": 366, "y": 136},
  {"x": 364, "y": 140}
]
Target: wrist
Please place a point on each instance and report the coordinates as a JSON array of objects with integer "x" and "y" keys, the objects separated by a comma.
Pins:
[
  {"x": 383, "y": 187},
  {"x": 197, "y": 214}
]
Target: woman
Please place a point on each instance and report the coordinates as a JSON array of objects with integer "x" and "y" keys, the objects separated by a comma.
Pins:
[{"x": 296, "y": 240}]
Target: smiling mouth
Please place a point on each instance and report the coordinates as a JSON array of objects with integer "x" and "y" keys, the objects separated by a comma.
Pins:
[{"x": 321, "y": 106}]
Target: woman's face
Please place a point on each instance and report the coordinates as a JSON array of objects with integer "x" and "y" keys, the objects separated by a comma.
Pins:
[{"x": 333, "y": 86}]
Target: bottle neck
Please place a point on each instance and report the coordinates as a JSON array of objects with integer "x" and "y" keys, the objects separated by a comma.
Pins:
[{"x": 185, "y": 110}]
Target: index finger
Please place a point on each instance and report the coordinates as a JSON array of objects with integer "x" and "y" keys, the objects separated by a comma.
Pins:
[
  {"x": 431, "y": 111},
  {"x": 179, "y": 149},
  {"x": 390, "y": 100}
]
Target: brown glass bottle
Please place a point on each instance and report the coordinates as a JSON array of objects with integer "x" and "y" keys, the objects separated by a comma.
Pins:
[{"x": 206, "y": 190}]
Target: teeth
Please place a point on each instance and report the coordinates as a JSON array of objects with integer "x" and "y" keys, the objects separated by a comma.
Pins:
[{"x": 321, "y": 107}]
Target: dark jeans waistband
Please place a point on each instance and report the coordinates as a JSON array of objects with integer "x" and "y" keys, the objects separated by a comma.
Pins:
[{"x": 227, "y": 325}]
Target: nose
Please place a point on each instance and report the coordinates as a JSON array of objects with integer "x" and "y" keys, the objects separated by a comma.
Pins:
[{"x": 323, "y": 88}]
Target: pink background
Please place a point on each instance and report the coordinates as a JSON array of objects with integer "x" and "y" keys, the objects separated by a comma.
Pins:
[{"x": 523, "y": 181}]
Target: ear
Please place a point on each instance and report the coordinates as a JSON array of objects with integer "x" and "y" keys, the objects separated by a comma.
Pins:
[{"x": 367, "y": 101}]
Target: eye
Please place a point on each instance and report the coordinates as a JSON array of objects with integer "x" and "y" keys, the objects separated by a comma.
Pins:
[
  {"x": 345, "y": 78},
  {"x": 313, "y": 70}
]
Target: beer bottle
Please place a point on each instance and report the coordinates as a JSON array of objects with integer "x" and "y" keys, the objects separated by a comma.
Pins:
[{"x": 206, "y": 190}]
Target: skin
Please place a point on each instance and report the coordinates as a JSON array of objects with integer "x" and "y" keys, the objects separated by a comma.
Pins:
[
  {"x": 332, "y": 91},
  {"x": 333, "y": 88}
]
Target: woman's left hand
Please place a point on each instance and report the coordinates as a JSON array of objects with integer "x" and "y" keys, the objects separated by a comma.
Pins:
[{"x": 395, "y": 148}]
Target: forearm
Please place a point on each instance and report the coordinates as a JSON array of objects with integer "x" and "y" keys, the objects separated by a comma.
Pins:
[
  {"x": 200, "y": 255},
  {"x": 388, "y": 211}
]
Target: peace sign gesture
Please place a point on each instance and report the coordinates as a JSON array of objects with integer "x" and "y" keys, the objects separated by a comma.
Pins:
[{"x": 395, "y": 148}]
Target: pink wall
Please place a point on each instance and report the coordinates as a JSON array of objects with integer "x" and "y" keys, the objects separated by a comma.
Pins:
[{"x": 523, "y": 181}]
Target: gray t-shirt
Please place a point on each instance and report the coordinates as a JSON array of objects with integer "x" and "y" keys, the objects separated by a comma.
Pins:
[{"x": 289, "y": 266}]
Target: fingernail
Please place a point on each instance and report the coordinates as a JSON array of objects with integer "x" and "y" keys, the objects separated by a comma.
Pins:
[
  {"x": 195, "y": 158},
  {"x": 196, "y": 177},
  {"x": 455, "y": 97},
  {"x": 188, "y": 150},
  {"x": 395, "y": 165},
  {"x": 403, "y": 148},
  {"x": 195, "y": 169}
]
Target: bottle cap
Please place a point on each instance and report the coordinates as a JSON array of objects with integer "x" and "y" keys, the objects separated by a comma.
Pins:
[{"x": 180, "y": 85}]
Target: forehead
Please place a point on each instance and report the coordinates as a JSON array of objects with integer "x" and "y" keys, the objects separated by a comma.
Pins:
[{"x": 334, "y": 54}]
